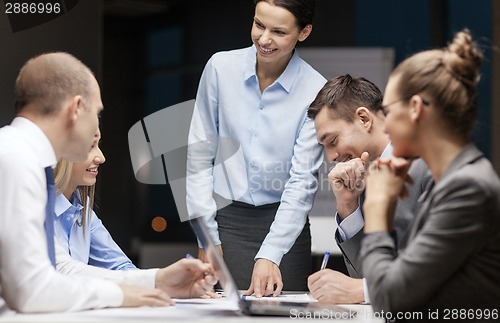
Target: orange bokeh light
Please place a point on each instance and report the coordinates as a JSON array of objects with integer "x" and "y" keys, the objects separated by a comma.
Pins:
[{"x": 159, "y": 224}]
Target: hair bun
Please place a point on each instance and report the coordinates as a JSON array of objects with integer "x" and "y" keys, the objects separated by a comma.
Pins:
[{"x": 463, "y": 58}]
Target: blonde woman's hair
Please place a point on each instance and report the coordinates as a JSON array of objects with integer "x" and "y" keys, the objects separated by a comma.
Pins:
[{"x": 62, "y": 179}]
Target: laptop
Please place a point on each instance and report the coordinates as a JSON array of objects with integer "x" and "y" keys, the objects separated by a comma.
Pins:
[{"x": 262, "y": 306}]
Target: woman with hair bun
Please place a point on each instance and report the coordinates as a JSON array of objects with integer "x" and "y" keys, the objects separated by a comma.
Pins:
[{"x": 451, "y": 265}]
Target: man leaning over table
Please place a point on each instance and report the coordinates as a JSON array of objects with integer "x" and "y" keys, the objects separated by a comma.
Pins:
[{"x": 349, "y": 122}]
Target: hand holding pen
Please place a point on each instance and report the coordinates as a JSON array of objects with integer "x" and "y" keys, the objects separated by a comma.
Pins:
[
  {"x": 325, "y": 260},
  {"x": 186, "y": 278},
  {"x": 209, "y": 293}
]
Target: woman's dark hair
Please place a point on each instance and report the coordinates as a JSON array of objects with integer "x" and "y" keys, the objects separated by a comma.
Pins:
[{"x": 303, "y": 10}]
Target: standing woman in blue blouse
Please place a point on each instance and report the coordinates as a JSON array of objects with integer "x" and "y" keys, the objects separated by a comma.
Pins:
[
  {"x": 253, "y": 156},
  {"x": 77, "y": 227}
]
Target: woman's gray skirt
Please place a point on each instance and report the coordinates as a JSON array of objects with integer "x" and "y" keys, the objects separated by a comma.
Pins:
[{"x": 242, "y": 229}]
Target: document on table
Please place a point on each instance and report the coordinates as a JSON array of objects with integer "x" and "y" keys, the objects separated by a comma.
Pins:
[
  {"x": 190, "y": 309},
  {"x": 213, "y": 303},
  {"x": 299, "y": 298}
]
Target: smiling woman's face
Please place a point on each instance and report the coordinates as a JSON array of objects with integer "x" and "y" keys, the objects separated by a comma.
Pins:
[
  {"x": 275, "y": 33},
  {"x": 85, "y": 173}
]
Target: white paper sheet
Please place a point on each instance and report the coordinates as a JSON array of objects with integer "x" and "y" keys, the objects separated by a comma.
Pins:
[{"x": 284, "y": 298}]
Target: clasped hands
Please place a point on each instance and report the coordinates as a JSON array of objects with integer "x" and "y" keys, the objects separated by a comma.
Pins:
[
  {"x": 348, "y": 179},
  {"x": 385, "y": 183}
]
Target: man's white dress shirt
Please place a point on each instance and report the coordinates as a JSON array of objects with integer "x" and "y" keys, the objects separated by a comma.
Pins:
[{"x": 28, "y": 281}]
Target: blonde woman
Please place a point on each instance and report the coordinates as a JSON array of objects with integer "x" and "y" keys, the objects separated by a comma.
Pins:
[
  {"x": 77, "y": 227},
  {"x": 92, "y": 251}
]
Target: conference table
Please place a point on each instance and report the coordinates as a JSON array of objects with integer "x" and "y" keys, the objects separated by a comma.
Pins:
[{"x": 192, "y": 310}]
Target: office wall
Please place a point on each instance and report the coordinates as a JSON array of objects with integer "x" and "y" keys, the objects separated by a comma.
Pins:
[
  {"x": 411, "y": 26},
  {"x": 77, "y": 30}
]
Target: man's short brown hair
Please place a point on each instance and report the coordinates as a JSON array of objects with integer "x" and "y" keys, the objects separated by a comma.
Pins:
[{"x": 343, "y": 94}]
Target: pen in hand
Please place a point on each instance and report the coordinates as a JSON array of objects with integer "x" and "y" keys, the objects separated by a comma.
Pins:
[
  {"x": 208, "y": 273},
  {"x": 325, "y": 260}
]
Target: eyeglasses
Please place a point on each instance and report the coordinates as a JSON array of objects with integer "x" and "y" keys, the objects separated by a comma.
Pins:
[{"x": 406, "y": 98}]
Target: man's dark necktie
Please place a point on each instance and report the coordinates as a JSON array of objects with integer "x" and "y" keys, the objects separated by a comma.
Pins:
[{"x": 50, "y": 214}]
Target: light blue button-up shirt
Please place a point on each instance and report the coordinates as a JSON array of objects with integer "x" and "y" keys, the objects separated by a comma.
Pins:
[
  {"x": 255, "y": 147},
  {"x": 97, "y": 247}
]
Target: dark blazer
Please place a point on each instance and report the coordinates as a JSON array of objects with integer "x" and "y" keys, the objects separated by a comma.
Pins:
[
  {"x": 404, "y": 214},
  {"x": 452, "y": 259}
]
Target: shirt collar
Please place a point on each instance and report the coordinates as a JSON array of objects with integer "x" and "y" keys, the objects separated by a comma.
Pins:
[
  {"x": 387, "y": 153},
  {"x": 63, "y": 204},
  {"x": 37, "y": 140},
  {"x": 251, "y": 63},
  {"x": 286, "y": 79}
]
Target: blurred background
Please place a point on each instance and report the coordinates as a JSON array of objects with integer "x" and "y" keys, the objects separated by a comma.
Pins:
[{"x": 149, "y": 54}]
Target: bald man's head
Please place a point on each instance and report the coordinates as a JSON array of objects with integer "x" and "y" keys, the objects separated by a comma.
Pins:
[{"x": 45, "y": 81}]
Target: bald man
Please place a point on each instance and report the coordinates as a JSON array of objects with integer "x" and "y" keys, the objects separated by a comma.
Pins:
[{"x": 57, "y": 105}]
